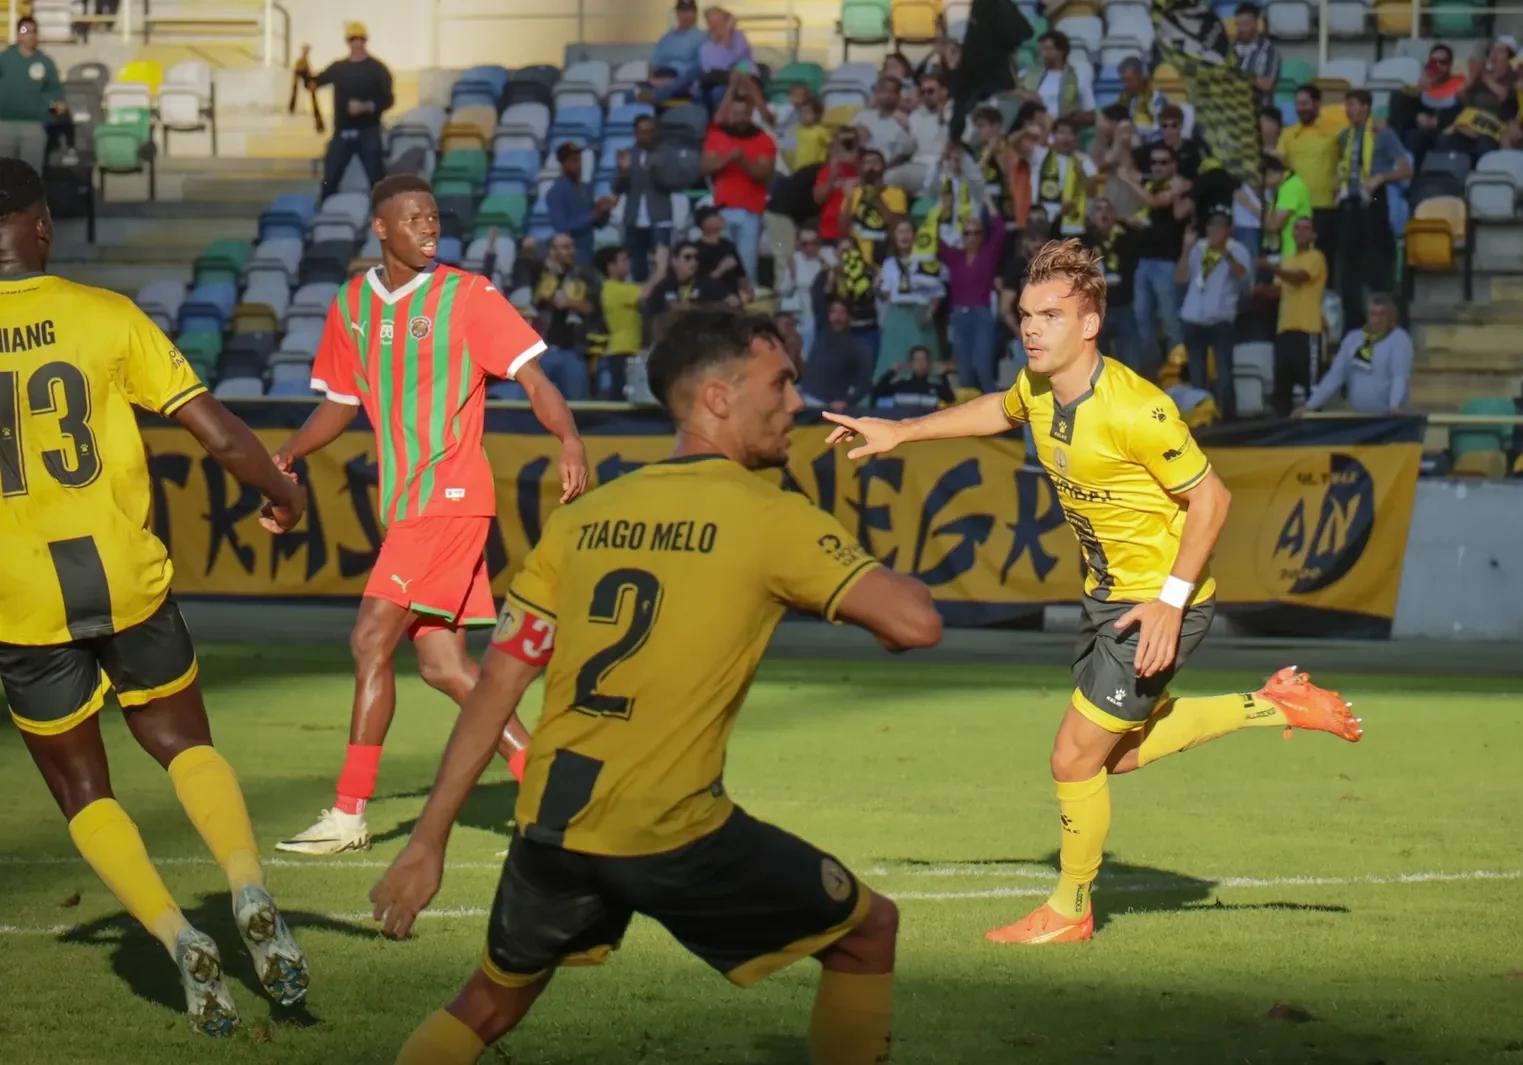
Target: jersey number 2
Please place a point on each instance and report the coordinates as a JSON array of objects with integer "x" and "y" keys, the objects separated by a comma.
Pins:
[
  {"x": 630, "y": 596},
  {"x": 55, "y": 388}
]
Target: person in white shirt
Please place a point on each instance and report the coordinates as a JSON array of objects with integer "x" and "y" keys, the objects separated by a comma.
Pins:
[
  {"x": 883, "y": 128},
  {"x": 928, "y": 125},
  {"x": 1373, "y": 367},
  {"x": 1062, "y": 178},
  {"x": 1057, "y": 84},
  {"x": 809, "y": 259}
]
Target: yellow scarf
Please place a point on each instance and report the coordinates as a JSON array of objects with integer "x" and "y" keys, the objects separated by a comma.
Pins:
[
  {"x": 1366, "y": 352},
  {"x": 1142, "y": 108},
  {"x": 1110, "y": 256},
  {"x": 1209, "y": 257},
  {"x": 1366, "y": 154},
  {"x": 1070, "y": 196}
]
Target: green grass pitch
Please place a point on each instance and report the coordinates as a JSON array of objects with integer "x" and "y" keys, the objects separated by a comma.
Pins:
[{"x": 1372, "y": 892}]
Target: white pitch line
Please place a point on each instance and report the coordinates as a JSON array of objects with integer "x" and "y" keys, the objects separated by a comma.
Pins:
[{"x": 1117, "y": 885}]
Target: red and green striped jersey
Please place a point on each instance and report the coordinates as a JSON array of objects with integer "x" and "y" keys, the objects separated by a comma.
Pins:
[{"x": 417, "y": 359}]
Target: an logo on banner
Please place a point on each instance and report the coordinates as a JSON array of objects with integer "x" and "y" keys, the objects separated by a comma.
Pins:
[{"x": 1319, "y": 522}]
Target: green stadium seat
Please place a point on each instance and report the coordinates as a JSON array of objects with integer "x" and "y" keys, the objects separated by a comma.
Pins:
[
  {"x": 465, "y": 164},
  {"x": 201, "y": 348},
  {"x": 124, "y": 145},
  {"x": 863, "y": 22},
  {"x": 1293, "y": 74},
  {"x": 505, "y": 210},
  {"x": 223, "y": 260},
  {"x": 785, "y": 77},
  {"x": 1482, "y": 438},
  {"x": 1450, "y": 23}
]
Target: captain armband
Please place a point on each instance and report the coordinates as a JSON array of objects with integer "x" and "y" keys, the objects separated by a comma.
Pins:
[{"x": 524, "y": 634}]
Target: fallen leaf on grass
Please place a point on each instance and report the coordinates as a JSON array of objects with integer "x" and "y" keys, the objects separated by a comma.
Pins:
[{"x": 70, "y": 902}]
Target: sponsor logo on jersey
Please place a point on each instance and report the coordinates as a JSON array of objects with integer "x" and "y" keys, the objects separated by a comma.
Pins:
[
  {"x": 386, "y": 332},
  {"x": 454, "y": 495}
]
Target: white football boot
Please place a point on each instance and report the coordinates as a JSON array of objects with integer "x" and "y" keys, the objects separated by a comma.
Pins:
[
  {"x": 334, "y": 833},
  {"x": 207, "y": 1002},
  {"x": 278, "y": 961}
]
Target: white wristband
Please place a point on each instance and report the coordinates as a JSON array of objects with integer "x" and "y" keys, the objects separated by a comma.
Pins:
[{"x": 1176, "y": 592}]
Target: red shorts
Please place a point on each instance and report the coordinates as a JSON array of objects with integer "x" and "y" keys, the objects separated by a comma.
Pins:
[{"x": 437, "y": 568}]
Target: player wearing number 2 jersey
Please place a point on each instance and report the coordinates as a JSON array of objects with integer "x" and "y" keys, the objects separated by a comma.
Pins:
[
  {"x": 414, "y": 343},
  {"x": 652, "y": 601},
  {"x": 85, "y": 602},
  {"x": 1146, "y": 508}
]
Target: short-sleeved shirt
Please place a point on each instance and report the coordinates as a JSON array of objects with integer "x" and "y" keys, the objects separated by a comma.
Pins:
[
  {"x": 1119, "y": 455},
  {"x": 868, "y": 225},
  {"x": 80, "y": 558},
  {"x": 733, "y": 187},
  {"x": 1293, "y": 196},
  {"x": 830, "y": 210},
  {"x": 647, "y": 677},
  {"x": 1312, "y": 152},
  {"x": 621, "y": 314},
  {"x": 417, "y": 360},
  {"x": 1301, "y": 305}
]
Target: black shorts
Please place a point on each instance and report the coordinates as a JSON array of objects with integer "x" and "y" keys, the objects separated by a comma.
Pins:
[
  {"x": 53, "y": 687},
  {"x": 748, "y": 899},
  {"x": 1107, "y": 689}
]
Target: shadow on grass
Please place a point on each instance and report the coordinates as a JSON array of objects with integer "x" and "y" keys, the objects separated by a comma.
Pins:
[
  {"x": 140, "y": 962},
  {"x": 1124, "y": 888},
  {"x": 489, "y": 807}
]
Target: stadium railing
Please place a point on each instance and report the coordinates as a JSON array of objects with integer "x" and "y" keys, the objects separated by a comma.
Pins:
[{"x": 267, "y": 20}]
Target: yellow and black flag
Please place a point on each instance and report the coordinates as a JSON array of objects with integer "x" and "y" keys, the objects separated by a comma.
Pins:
[{"x": 1191, "y": 39}]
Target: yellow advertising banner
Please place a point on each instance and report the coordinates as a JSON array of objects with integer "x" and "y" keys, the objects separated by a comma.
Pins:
[{"x": 1315, "y": 539}]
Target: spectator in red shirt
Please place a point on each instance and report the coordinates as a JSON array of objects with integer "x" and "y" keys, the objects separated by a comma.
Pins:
[
  {"x": 834, "y": 180},
  {"x": 739, "y": 158}
]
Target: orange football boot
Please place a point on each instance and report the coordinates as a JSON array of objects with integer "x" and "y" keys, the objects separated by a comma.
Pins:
[
  {"x": 1045, "y": 925},
  {"x": 1307, "y": 706}
]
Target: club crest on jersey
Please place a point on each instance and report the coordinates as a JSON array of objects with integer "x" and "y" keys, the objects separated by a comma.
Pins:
[
  {"x": 836, "y": 881},
  {"x": 420, "y": 327},
  {"x": 1060, "y": 460},
  {"x": 386, "y": 332}
]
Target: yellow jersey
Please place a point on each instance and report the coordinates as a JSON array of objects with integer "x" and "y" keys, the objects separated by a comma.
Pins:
[
  {"x": 79, "y": 557},
  {"x": 664, "y": 587},
  {"x": 621, "y": 313},
  {"x": 1118, "y": 457},
  {"x": 1301, "y": 305}
]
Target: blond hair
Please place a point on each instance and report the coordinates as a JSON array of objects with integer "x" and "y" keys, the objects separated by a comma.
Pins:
[{"x": 1071, "y": 261}]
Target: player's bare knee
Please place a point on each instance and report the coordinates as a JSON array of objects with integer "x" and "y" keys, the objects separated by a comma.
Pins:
[
  {"x": 1070, "y": 761},
  {"x": 370, "y": 644},
  {"x": 447, "y": 677},
  {"x": 492, "y": 1010},
  {"x": 869, "y": 947}
]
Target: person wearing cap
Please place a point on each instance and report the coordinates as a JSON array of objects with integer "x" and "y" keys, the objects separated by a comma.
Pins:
[
  {"x": 573, "y": 210},
  {"x": 30, "y": 93},
  {"x": 1215, "y": 274},
  {"x": 361, "y": 93},
  {"x": 674, "y": 62}
]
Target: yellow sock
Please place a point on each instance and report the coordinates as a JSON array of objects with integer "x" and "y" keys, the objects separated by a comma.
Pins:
[
  {"x": 1180, "y": 724},
  {"x": 1084, "y": 807},
  {"x": 208, "y": 789},
  {"x": 442, "y": 1039},
  {"x": 851, "y": 1018},
  {"x": 108, "y": 840}
]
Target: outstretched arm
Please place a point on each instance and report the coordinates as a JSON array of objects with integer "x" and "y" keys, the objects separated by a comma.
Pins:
[
  {"x": 549, "y": 406},
  {"x": 414, "y": 877},
  {"x": 238, "y": 451},
  {"x": 895, "y": 608},
  {"x": 984, "y": 416},
  {"x": 321, "y": 428}
]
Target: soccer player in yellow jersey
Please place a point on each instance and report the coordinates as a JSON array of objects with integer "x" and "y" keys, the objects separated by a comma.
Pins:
[
  {"x": 85, "y": 604},
  {"x": 658, "y": 593},
  {"x": 1147, "y": 508}
]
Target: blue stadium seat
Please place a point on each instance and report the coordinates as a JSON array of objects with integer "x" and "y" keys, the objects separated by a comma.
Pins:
[
  {"x": 208, "y": 307},
  {"x": 450, "y": 251},
  {"x": 514, "y": 165},
  {"x": 581, "y": 123},
  {"x": 287, "y": 216},
  {"x": 621, "y": 119}
]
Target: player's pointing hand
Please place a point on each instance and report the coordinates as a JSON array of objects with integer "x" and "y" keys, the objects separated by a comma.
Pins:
[
  {"x": 573, "y": 468},
  {"x": 408, "y": 885},
  {"x": 879, "y": 435}
]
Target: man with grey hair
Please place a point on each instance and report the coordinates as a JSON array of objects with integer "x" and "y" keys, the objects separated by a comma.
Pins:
[{"x": 1373, "y": 367}]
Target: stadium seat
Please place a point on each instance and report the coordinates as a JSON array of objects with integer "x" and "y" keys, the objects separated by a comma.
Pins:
[
  {"x": 630, "y": 74},
  {"x": 1348, "y": 19},
  {"x": 1429, "y": 244},
  {"x": 505, "y": 211},
  {"x": 1508, "y": 161},
  {"x": 1451, "y": 20},
  {"x": 326, "y": 261},
  {"x": 468, "y": 165},
  {"x": 469, "y": 127},
  {"x": 621, "y": 119},
  {"x": 290, "y": 377},
  {"x": 1353, "y": 71},
  {"x": 476, "y": 252},
  {"x": 160, "y": 301},
  {"x": 223, "y": 260},
  {"x": 1130, "y": 18},
  {"x": 863, "y": 22},
  {"x": 1491, "y": 465},
  {"x": 278, "y": 257},
  {"x": 1290, "y": 20},
  {"x": 583, "y": 124},
  {"x": 187, "y": 101},
  {"x": 419, "y": 128},
  {"x": 810, "y": 75},
  {"x": 686, "y": 124},
  {"x": 526, "y": 119},
  {"x": 302, "y": 337},
  {"x": 1395, "y": 72},
  {"x": 1450, "y": 210},
  {"x": 1442, "y": 174},
  {"x": 271, "y": 290},
  {"x": 1085, "y": 32},
  {"x": 532, "y": 84},
  {"x": 844, "y": 96},
  {"x": 93, "y": 71},
  {"x": 201, "y": 348},
  {"x": 1116, "y": 50},
  {"x": 1393, "y": 18},
  {"x": 1491, "y": 197},
  {"x": 144, "y": 71},
  {"x": 288, "y": 215},
  {"x": 914, "y": 21},
  {"x": 257, "y": 316},
  {"x": 208, "y": 306}
]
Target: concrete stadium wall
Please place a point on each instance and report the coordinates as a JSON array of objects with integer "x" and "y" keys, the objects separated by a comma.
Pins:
[
  {"x": 1462, "y": 577},
  {"x": 459, "y": 33}
]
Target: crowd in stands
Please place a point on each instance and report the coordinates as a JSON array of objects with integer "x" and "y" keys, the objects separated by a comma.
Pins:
[{"x": 886, "y": 212}]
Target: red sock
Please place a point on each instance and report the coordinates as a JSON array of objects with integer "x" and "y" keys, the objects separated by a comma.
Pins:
[
  {"x": 356, "y": 784},
  {"x": 516, "y": 763}
]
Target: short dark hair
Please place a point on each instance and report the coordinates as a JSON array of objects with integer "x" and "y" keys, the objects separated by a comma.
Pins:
[
  {"x": 873, "y": 151},
  {"x": 986, "y": 113},
  {"x": 1310, "y": 90},
  {"x": 1067, "y": 123},
  {"x": 704, "y": 213},
  {"x": 21, "y": 187},
  {"x": 1275, "y": 163},
  {"x": 1059, "y": 41},
  {"x": 685, "y": 245},
  {"x": 1115, "y": 112},
  {"x": 605, "y": 257},
  {"x": 1131, "y": 62},
  {"x": 394, "y": 185},
  {"x": 932, "y": 75},
  {"x": 698, "y": 341},
  {"x": 567, "y": 149},
  {"x": 1247, "y": 9},
  {"x": 1361, "y": 95},
  {"x": 1028, "y": 110},
  {"x": 644, "y": 120},
  {"x": 1171, "y": 113}
]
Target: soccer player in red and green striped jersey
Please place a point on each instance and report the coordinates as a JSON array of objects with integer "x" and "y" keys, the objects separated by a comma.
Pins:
[{"x": 414, "y": 343}]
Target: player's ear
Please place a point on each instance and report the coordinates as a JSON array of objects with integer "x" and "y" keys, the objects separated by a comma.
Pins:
[
  {"x": 378, "y": 227},
  {"x": 714, "y": 396},
  {"x": 1091, "y": 327}
]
